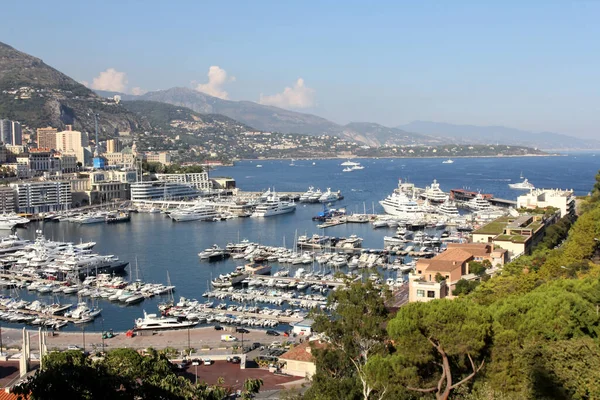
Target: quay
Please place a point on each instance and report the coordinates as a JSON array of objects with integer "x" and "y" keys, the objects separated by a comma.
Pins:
[
  {"x": 280, "y": 318},
  {"x": 40, "y": 314},
  {"x": 287, "y": 279}
]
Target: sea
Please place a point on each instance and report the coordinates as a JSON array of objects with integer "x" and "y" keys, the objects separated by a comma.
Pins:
[{"x": 156, "y": 247}]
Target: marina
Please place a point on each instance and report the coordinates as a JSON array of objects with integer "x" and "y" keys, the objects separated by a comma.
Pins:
[{"x": 159, "y": 245}]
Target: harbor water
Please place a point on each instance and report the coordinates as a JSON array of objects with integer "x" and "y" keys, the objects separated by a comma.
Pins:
[{"x": 155, "y": 245}]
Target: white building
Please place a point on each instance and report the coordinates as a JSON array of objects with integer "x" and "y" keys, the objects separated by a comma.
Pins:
[
  {"x": 564, "y": 200},
  {"x": 7, "y": 199},
  {"x": 74, "y": 142},
  {"x": 156, "y": 190},
  {"x": 43, "y": 196},
  {"x": 197, "y": 180}
]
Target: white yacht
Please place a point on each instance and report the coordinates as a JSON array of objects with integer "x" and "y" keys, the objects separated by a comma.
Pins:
[
  {"x": 154, "y": 322},
  {"x": 307, "y": 195},
  {"x": 315, "y": 196},
  {"x": 525, "y": 185},
  {"x": 328, "y": 196},
  {"x": 448, "y": 208},
  {"x": 274, "y": 206},
  {"x": 347, "y": 169},
  {"x": 355, "y": 167},
  {"x": 9, "y": 221},
  {"x": 199, "y": 212},
  {"x": 478, "y": 203},
  {"x": 448, "y": 161},
  {"x": 349, "y": 163},
  {"x": 434, "y": 194},
  {"x": 91, "y": 218},
  {"x": 399, "y": 204}
]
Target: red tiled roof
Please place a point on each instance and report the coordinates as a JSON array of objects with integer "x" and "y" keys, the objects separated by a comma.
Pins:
[
  {"x": 301, "y": 352},
  {"x": 9, "y": 396}
]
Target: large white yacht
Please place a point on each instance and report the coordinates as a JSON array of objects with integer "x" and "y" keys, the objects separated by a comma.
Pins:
[
  {"x": 329, "y": 196},
  {"x": 349, "y": 163},
  {"x": 399, "y": 204},
  {"x": 274, "y": 206},
  {"x": 307, "y": 195},
  {"x": 525, "y": 185},
  {"x": 9, "y": 221},
  {"x": 198, "y": 212},
  {"x": 448, "y": 209},
  {"x": 434, "y": 194},
  {"x": 478, "y": 203},
  {"x": 154, "y": 322}
]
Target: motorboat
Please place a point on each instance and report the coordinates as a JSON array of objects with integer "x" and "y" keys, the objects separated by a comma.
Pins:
[
  {"x": 524, "y": 185},
  {"x": 347, "y": 169},
  {"x": 357, "y": 167},
  {"x": 328, "y": 196},
  {"x": 478, "y": 203},
  {"x": 349, "y": 163},
  {"x": 448, "y": 161},
  {"x": 154, "y": 322},
  {"x": 449, "y": 209},
  {"x": 198, "y": 212},
  {"x": 400, "y": 205},
  {"x": 307, "y": 195}
]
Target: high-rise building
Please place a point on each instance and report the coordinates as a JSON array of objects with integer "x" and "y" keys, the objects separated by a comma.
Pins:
[
  {"x": 44, "y": 196},
  {"x": 73, "y": 142},
  {"x": 46, "y": 137},
  {"x": 10, "y": 132},
  {"x": 113, "y": 146}
]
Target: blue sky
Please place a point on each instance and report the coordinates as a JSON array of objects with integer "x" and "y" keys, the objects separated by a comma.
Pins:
[{"x": 529, "y": 64}]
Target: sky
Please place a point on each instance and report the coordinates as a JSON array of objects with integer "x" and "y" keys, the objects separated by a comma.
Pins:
[{"x": 526, "y": 64}]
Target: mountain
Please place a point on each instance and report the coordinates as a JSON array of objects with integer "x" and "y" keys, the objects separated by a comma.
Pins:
[
  {"x": 38, "y": 95},
  {"x": 500, "y": 134},
  {"x": 164, "y": 117},
  {"x": 274, "y": 119},
  {"x": 382, "y": 135}
]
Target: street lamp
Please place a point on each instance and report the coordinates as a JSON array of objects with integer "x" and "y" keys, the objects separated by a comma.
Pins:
[
  {"x": 102, "y": 335},
  {"x": 83, "y": 333}
]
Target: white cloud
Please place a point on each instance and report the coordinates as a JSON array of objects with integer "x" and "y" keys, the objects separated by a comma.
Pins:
[
  {"x": 111, "y": 80},
  {"x": 298, "y": 96},
  {"x": 217, "y": 77},
  {"x": 138, "y": 91}
]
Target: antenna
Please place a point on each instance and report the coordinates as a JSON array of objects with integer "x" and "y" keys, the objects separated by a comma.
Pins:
[{"x": 96, "y": 123}]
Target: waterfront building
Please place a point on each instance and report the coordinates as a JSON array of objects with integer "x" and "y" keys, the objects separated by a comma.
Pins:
[
  {"x": 564, "y": 200},
  {"x": 225, "y": 183},
  {"x": 198, "y": 180},
  {"x": 299, "y": 361},
  {"x": 42, "y": 196},
  {"x": 103, "y": 186},
  {"x": 46, "y": 137},
  {"x": 42, "y": 160},
  {"x": 74, "y": 142},
  {"x": 156, "y": 190},
  {"x": 7, "y": 199},
  {"x": 120, "y": 159}
]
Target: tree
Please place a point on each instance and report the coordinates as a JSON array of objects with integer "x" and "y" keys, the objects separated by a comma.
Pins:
[
  {"x": 464, "y": 286},
  {"x": 449, "y": 336},
  {"x": 251, "y": 387},
  {"x": 354, "y": 334}
]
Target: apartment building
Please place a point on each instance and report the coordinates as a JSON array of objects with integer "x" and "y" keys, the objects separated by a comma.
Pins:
[{"x": 42, "y": 196}]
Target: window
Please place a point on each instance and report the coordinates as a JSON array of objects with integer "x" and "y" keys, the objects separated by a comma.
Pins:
[
  {"x": 420, "y": 293},
  {"x": 431, "y": 294}
]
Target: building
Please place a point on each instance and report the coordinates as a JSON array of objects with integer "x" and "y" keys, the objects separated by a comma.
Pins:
[
  {"x": 452, "y": 264},
  {"x": 46, "y": 138},
  {"x": 114, "y": 146},
  {"x": 11, "y": 132},
  {"x": 518, "y": 235},
  {"x": 223, "y": 183},
  {"x": 157, "y": 190},
  {"x": 299, "y": 360},
  {"x": 7, "y": 199},
  {"x": 42, "y": 160},
  {"x": 42, "y": 196},
  {"x": 303, "y": 327},
  {"x": 163, "y": 157},
  {"x": 74, "y": 142},
  {"x": 481, "y": 252},
  {"x": 68, "y": 162},
  {"x": 564, "y": 200},
  {"x": 21, "y": 171},
  {"x": 120, "y": 159},
  {"x": 103, "y": 186},
  {"x": 422, "y": 290},
  {"x": 198, "y": 180},
  {"x": 3, "y": 153},
  {"x": 16, "y": 149}
]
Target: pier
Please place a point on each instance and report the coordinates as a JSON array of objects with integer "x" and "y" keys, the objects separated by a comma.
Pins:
[{"x": 40, "y": 314}]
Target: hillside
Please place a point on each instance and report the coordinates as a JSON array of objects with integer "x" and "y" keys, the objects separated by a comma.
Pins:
[
  {"x": 500, "y": 134},
  {"x": 38, "y": 95},
  {"x": 273, "y": 119}
]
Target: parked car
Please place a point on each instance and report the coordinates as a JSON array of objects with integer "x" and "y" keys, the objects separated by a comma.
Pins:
[
  {"x": 234, "y": 359},
  {"x": 271, "y": 332},
  {"x": 207, "y": 361},
  {"x": 73, "y": 347},
  {"x": 218, "y": 328},
  {"x": 242, "y": 330},
  {"x": 196, "y": 361}
]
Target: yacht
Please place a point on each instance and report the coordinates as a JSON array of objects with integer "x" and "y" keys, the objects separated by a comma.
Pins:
[
  {"x": 347, "y": 169},
  {"x": 434, "y": 194},
  {"x": 478, "y": 203},
  {"x": 274, "y": 206},
  {"x": 258, "y": 166},
  {"x": 307, "y": 195},
  {"x": 448, "y": 161},
  {"x": 355, "y": 167},
  {"x": 525, "y": 185},
  {"x": 315, "y": 196},
  {"x": 399, "y": 204},
  {"x": 154, "y": 322},
  {"x": 328, "y": 196},
  {"x": 91, "y": 219},
  {"x": 199, "y": 212},
  {"x": 349, "y": 163},
  {"x": 448, "y": 208}
]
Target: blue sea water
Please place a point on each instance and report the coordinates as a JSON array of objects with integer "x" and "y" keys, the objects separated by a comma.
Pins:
[{"x": 160, "y": 245}]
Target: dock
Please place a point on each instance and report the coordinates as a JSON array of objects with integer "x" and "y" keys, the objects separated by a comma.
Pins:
[{"x": 39, "y": 314}]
